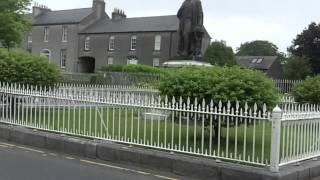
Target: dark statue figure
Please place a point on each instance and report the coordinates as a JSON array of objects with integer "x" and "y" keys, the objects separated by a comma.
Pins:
[{"x": 191, "y": 30}]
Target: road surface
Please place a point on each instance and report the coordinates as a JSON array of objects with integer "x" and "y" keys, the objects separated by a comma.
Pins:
[{"x": 24, "y": 163}]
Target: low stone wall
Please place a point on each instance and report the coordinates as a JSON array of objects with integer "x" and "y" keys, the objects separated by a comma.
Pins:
[{"x": 183, "y": 165}]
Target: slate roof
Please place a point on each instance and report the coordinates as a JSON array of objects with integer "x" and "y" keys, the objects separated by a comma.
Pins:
[
  {"x": 141, "y": 24},
  {"x": 256, "y": 62},
  {"x": 62, "y": 17}
]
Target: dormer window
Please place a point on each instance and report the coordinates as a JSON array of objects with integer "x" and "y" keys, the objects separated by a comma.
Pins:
[
  {"x": 46, "y": 34},
  {"x": 133, "y": 43},
  {"x": 87, "y": 43},
  {"x": 257, "y": 61},
  {"x": 112, "y": 43}
]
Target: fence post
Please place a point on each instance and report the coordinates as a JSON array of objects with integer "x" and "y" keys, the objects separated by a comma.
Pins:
[{"x": 276, "y": 137}]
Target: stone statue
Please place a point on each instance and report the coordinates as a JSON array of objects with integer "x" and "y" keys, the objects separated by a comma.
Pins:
[{"x": 191, "y": 28}]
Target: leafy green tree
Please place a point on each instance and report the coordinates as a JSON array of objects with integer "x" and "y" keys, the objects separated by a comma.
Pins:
[
  {"x": 13, "y": 22},
  {"x": 297, "y": 68},
  {"x": 308, "y": 91},
  {"x": 307, "y": 44},
  {"x": 218, "y": 53},
  {"x": 260, "y": 48}
]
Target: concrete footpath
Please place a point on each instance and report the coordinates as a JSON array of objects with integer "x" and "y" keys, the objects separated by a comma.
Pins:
[{"x": 183, "y": 165}]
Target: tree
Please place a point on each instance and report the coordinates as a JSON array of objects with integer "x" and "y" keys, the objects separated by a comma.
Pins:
[
  {"x": 13, "y": 21},
  {"x": 218, "y": 53},
  {"x": 260, "y": 48},
  {"x": 308, "y": 91},
  {"x": 297, "y": 68},
  {"x": 308, "y": 44}
]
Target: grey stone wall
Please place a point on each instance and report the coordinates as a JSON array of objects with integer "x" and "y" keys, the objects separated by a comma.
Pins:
[
  {"x": 55, "y": 44},
  {"x": 99, "y": 47}
]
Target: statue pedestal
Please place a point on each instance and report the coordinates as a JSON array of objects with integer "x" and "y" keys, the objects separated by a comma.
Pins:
[{"x": 183, "y": 63}]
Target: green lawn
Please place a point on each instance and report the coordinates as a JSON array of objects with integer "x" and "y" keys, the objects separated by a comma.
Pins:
[{"x": 131, "y": 124}]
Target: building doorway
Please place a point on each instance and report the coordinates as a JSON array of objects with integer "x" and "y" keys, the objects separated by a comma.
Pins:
[{"x": 86, "y": 65}]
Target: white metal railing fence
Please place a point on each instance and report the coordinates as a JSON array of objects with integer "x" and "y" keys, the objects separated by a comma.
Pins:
[
  {"x": 300, "y": 134},
  {"x": 102, "y": 89},
  {"x": 227, "y": 131},
  {"x": 113, "y": 78},
  {"x": 286, "y": 100},
  {"x": 285, "y": 86}
]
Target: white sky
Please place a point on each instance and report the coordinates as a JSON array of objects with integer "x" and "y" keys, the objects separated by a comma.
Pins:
[{"x": 235, "y": 21}]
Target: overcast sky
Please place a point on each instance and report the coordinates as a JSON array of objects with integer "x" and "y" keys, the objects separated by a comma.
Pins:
[{"x": 235, "y": 21}]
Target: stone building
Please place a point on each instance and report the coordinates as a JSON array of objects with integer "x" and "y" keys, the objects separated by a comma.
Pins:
[
  {"x": 270, "y": 65},
  {"x": 82, "y": 40}
]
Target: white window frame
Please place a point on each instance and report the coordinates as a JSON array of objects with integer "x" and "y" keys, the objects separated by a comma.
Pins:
[
  {"x": 133, "y": 43},
  {"x": 87, "y": 43},
  {"x": 132, "y": 61},
  {"x": 156, "y": 62},
  {"x": 259, "y": 61},
  {"x": 46, "y": 53},
  {"x": 64, "y": 33},
  {"x": 30, "y": 39},
  {"x": 110, "y": 60},
  {"x": 157, "y": 42},
  {"x": 46, "y": 34},
  {"x": 63, "y": 58},
  {"x": 112, "y": 43}
]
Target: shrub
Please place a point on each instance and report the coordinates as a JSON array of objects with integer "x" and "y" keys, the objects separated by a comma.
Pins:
[
  {"x": 308, "y": 91},
  {"x": 131, "y": 69},
  {"x": 112, "y": 68},
  {"x": 220, "y": 84},
  {"x": 23, "y": 68}
]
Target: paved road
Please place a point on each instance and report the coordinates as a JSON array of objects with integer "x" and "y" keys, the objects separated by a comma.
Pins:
[{"x": 24, "y": 163}]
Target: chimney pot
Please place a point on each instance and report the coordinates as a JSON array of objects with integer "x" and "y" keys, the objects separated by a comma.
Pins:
[{"x": 118, "y": 14}]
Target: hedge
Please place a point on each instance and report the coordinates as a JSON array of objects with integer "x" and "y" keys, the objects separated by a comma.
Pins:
[
  {"x": 220, "y": 84},
  {"x": 23, "y": 68}
]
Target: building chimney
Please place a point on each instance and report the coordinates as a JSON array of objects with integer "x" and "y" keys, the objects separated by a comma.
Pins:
[
  {"x": 118, "y": 14},
  {"x": 99, "y": 7},
  {"x": 38, "y": 9}
]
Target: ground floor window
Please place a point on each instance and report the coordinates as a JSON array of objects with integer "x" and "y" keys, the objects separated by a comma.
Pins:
[
  {"x": 45, "y": 53},
  {"x": 63, "y": 58},
  {"x": 132, "y": 60},
  {"x": 156, "y": 62},
  {"x": 110, "y": 60}
]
